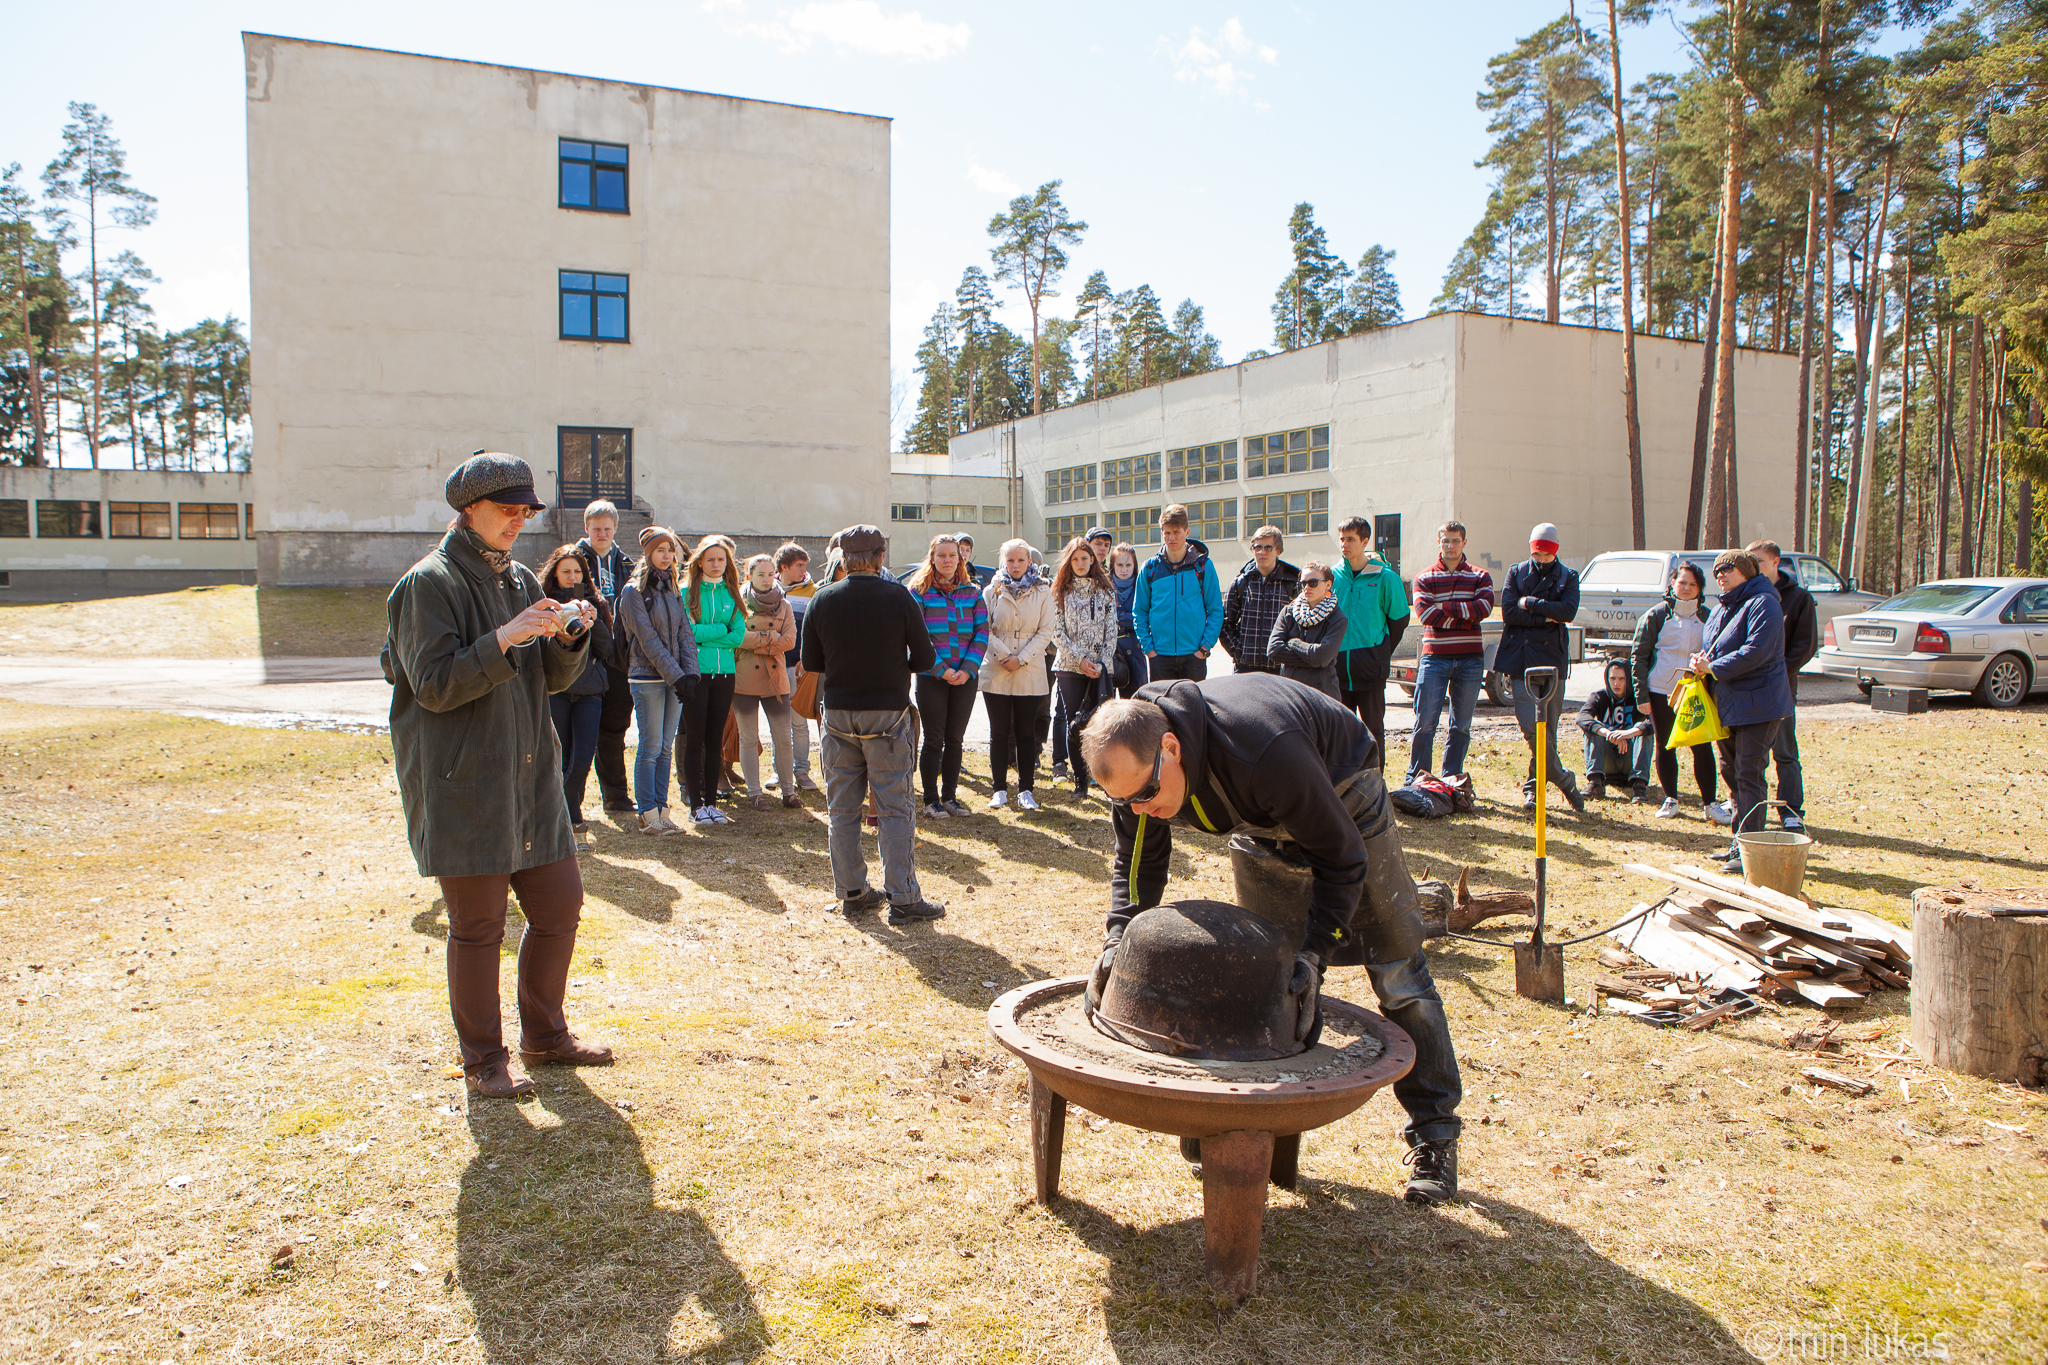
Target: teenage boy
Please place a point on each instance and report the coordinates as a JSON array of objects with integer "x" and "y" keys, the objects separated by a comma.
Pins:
[
  {"x": 1262, "y": 587},
  {"x": 1178, "y": 606},
  {"x": 1452, "y": 597},
  {"x": 606, "y": 568},
  {"x": 1538, "y": 604},
  {"x": 1375, "y": 608}
]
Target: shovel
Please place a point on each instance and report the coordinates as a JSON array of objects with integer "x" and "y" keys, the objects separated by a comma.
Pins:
[{"x": 1539, "y": 967}]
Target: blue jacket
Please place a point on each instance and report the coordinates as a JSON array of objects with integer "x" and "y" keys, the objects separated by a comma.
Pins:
[
  {"x": 1745, "y": 647},
  {"x": 1537, "y": 636},
  {"x": 1178, "y": 608}
]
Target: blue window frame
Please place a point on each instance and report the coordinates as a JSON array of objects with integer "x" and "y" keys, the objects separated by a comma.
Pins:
[
  {"x": 593, "y": 306},
  {"x": 594, "y": 176}
]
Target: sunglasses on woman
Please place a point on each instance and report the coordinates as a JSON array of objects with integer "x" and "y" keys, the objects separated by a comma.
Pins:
[{"x": 1149, "y": 790}]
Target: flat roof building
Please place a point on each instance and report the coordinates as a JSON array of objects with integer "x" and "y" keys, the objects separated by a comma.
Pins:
[
  {"x": 673, "y": 300},
  {"x": 1499, "y": 423}
]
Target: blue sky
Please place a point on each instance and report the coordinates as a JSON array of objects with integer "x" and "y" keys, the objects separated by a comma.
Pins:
[{"x": 1184, "y": 133}]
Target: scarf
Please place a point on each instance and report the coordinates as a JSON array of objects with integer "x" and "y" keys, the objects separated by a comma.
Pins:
[
  {"x": 1685, "y": 606},
  {"x": 1313, "y": 615},
  {"x": 762, "y": 603},
  {"x": 1017, "y": 587},
  {"x": 499, "y": 560},
  {"x": 660, "y": 580}
]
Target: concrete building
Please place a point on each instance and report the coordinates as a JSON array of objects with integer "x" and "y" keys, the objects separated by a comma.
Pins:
[
  {"x": 926, "y": 498},
  {"x": 68, "y": 534},
  {"x": 1494, "y": 422},
  {"x": 678, "y": 301}
]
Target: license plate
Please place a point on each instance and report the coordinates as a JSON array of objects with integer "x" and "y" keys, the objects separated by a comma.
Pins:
[{"x": 1876, "y": 635}]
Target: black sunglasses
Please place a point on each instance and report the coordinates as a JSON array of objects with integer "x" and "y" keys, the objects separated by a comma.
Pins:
[{"x": 1149, "y": 790}]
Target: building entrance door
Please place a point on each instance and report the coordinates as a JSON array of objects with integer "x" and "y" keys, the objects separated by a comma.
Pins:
[{"x": 593, "y": 463}]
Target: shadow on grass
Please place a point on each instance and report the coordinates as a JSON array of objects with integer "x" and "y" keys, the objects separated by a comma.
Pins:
[
  {"x": 1351, "y": 1273},
  {"x": 566, "y": 1256},
  {"x": 633, "y": 891},
  {"x": 953, "y": 966},
  {"x": 1844, "y": 838}
]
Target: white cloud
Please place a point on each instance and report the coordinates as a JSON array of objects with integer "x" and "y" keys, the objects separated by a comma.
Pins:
[
  {"x": 991, "y": 182},
  {"x": 1202, "y": 59},
  {"x": 723, "y": 7},
  {"x": 863, "y": 26}
]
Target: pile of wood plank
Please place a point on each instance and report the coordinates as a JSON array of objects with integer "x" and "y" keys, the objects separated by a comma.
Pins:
[{"x": 1727, "y": 934}]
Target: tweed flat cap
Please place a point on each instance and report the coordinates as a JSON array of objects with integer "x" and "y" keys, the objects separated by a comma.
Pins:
[
  {"x": 488, "y": 474},
  {"x": 862, "y": 540}
]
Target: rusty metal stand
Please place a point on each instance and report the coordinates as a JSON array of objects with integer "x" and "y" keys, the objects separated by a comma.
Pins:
[
  {"x": 1286, "y": 1160},
  {"x": 1048, "y": 1138},
  {"x": 1235, "y": 1168}
]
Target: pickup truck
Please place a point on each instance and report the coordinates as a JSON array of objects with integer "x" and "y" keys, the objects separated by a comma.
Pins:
[
  {"x": 1405, "y": 664},
  {"x": 1616, "y": 588}
]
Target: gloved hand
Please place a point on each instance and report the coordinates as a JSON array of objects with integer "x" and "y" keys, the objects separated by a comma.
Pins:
[
  {"x": 1306, "y": 985},
  {"x": 686, "y": 688},
  {"x": 1098, "y": 979}
]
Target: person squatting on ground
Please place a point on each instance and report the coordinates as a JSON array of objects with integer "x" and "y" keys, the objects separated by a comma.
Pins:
[
  {"x": 761, "y": 681},
  {"x": 1453, "y": 598},
  {"x": 1084, "y": 640},
  {"x": 1262, "y": 587},
  {"x": 956, "y": 619},
  {"x": 1014, "y": 685},
  {"x": 1123, "y": 577},
  {"x": 578, "y": 709},
  {"x": 473, "y": 652},
  {"x": 1742, "y": 648},
  {"x": 1375, "y": 607},
  {"x": 1178, "y": 607},
  {"x": 605, "y": 568},
  {"x": 1538, "y": 603},
  {"x": 865, "y": 638},
  {"x": 1267, "y": 758},
  {"x": 718, "y": 620},
  {"x": 1666, "y": 638},
  {"x": 661, "y": 666},
  {"x": 1618, "y": 736},
  {"x": 1308, "y": 634},
  {"x": 1802, "y": 642},
  {"x": 793, "y": 571}
]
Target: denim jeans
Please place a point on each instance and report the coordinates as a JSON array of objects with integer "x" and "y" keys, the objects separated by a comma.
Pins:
[
  {"x": 576, "y": 723},
  {"x": 1455, "y": 678},
  {"x": 878, "y": 749},
  {"x": 1165, "y": 666},
  {"x": 657, "y": 710},
  {"x": 1525, "y": 716},
  {"x": 1432, "y": 1089},
  {"x": 1632, "y": 766}
]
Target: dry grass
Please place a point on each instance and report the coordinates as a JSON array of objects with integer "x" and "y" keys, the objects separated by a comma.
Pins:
[
  {"x": 225, "y": 622},
  {"x": 226, "y": 988}
]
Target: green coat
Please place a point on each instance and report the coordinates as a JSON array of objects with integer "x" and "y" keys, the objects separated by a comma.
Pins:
[
  {"x": 720, "y": 624},
  {"x": 479, "y": 768},
  {"x": 1370, "y": 599}
]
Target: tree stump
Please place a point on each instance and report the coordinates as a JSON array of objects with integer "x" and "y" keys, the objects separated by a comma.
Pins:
[{"x": 1980, "y": 982}]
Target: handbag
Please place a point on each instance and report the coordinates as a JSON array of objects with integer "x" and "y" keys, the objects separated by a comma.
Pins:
[
  {"x": 804, "y": 700},
  {"x": 1696, "y": 720}
]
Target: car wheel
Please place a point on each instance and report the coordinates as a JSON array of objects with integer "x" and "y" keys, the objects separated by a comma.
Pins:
[
  {"x": 1497, "y": 689},
  {"x": 2004, "y": 684},
  {"x": 1408, "y": 691}
]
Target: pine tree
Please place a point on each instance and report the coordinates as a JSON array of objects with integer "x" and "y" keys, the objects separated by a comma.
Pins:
[
  {"x": 33, "y": 299},
  {"x": 974, "y": 305},
  {"x": 1093, "y": 315},
  {"x": 1308, "y": 306},
  {"x": 1030, "y": 254},
  {"x": 1372, "y": 299},
  {"x": 1142, "y": 338},
  {"x": 1194, "y": 351},
  {"x": 938, "y": 399}
]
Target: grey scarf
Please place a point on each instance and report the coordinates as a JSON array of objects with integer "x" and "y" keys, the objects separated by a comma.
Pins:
[{"x": 499, "y": 560}]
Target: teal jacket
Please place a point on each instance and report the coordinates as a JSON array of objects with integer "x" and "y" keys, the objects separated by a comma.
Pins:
[
  {"x": 1371, "y": 599},
  {"x": 719, "y": 625},
  {"x": 1177, "y": 608}
]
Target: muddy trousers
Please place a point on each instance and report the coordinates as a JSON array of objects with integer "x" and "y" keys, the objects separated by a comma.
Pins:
[{"x": 551, "y": 898}]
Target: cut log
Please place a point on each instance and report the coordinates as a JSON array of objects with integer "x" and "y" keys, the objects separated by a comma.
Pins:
[
  {"x": 1836, "y": 1081},
  {"x": 1980, "y": 984}
]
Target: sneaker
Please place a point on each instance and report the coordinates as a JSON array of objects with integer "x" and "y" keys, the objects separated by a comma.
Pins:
[
  {"x": 1730, "y": 859},
  {"x": 1669, "y": 809},
  {"x": 866, "y": 902},
  {"x": 1435, "y": 1180},
  {"x": 703, "y": 815},
  {"x": 1528, "y": 798},
  {"x": 1792, "y": 824},
  {"x": 937, "y": 810},
  {"x": 761, "y": 801},
  {"x": 1638, "y": 793},
  {"x": 805, "y": 782},
  {"x": 1721, "y": 813},
  {"x": 999, "y": 800},
  {"x": 916, "y": 912},
  {"x": 955, "y": 808},
  {"x": 772, "y": 784},
  {"x": 1026, "y": 801},
  {"x": 1577, "y": 799},
  {"x": 1596, "y": 786},
  {"x": 718, "y": 817}
]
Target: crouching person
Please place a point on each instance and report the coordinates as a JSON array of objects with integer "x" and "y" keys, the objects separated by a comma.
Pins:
[
  {"x": 1266, "y": 757},
  {"x": 1620, "y": 739},
  {"x": 474, "y": 651}
]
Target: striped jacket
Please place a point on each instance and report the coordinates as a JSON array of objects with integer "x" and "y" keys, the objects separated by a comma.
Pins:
[
  {"x": 957, "y": 620},
  {"x": 1452, "y": 603}
]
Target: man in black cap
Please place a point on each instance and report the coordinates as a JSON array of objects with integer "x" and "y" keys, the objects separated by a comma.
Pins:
[
  {"x": 1265, "y": 757},
  {"x": 865, "y": 637}
]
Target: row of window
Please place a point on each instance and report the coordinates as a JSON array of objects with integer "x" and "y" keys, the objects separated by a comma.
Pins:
[
  {"x": 949, "y": 514},
  {"x": 1281, "y": 452},
  {"x": 77, "y": 519},
  {"x": 1296, "y": 514},
  {"x": 1134, "y": 526}
]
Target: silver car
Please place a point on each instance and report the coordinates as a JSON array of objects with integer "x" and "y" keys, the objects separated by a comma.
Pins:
[{"x": 1983, "y": 635}]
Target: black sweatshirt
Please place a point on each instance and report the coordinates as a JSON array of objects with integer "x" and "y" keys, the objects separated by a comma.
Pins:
[
  {"x": 1271, "y": 751},
  {"x": 865, "y": 634}
]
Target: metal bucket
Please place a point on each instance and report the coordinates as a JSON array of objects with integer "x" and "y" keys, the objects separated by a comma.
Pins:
[{"x": 1775, "y": 859}]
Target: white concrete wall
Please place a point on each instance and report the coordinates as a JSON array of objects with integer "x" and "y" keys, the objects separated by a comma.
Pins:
[
  {"x": 980, "y": 492},
  {"x": 404, "y": 243},
  {"x": 40, "y": 568}
]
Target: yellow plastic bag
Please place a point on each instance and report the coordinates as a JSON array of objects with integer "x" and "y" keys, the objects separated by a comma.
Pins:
[{"x": 1695, "y": 719}]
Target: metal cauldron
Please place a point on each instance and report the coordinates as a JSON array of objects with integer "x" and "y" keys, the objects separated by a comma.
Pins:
[{"x": 1209, "y": 980}]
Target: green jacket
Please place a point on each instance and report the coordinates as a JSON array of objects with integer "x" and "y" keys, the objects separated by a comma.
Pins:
[
  {"x": 719, "y": 624},
  {"x": 1370, "y": 598},
  {"x": 479, "y": 768}
]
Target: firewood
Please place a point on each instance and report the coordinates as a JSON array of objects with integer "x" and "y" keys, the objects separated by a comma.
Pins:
[{"x": 1848, "y": 1084}]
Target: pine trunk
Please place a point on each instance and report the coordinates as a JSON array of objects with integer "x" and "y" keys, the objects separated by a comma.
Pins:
[
  {"x": 1702, "y": 428},
  {"x": 1824, "y": 484},
  {"x": 1966, "y": 553},
  {"x": 1905, "y": 415},
  {"x": 1723, "y": 520},
  {"x": 1802, "y": 466},
  {"x": 1628, "y": 307}
]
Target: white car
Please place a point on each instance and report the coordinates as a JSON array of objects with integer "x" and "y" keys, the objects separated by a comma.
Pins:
[{"x": 1983, "y": 635}]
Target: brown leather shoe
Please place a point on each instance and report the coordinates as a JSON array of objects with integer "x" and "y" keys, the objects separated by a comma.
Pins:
[
  {"x": 572, "y": 1051},
  {"x": 792, "y": 800},
  {"x": 497, "y": 1081},
  {"x": 761, "y": 801}
]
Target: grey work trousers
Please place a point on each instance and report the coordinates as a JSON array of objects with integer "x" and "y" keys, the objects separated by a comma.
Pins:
[
  {"x": 860, "y": 750},
  {"x": 1525, "y": 716}
]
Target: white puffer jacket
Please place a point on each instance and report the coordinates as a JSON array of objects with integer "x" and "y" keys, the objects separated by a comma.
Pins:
[
  {"x": 1019, "y": 624},
  {"x": 1084, "y": 627}
]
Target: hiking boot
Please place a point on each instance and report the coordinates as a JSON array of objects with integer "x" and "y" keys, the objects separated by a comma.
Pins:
[
  {"x": 1669, "y": 809},
  {"x": 1638, "y": 793},
  {"x": 1596, "y": 786},
  {"x": 496, "y": 1080},
  {"x": 1435, "y": 1180},
  {"x": 864, "y": 903},
  {"x": 916, "y": 912}
]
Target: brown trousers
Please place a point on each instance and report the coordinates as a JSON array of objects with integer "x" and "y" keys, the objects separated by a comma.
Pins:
[{"x": 551, "y": 898}]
